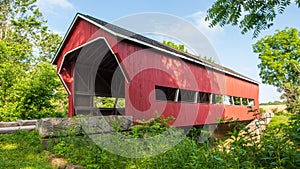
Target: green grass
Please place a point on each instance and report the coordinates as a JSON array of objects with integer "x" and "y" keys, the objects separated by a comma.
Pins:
[{"x": 22, "y": 150}]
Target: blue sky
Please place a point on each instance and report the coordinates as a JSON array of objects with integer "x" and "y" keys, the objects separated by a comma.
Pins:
[{"x": 234, "y": 50}]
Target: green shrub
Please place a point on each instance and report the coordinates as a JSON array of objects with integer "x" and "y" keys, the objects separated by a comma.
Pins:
[
  {"x": 151, "y": 127},
  {"x": 278, "y": 148}
]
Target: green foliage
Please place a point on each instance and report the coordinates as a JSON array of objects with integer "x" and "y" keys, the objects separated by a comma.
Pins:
[
  {"x": 277, "y": 149},
  {"x": 22, "y": 150},
  {"x": 292, "y": 96},
  {"x": 105, "y": 102},
  {"x": 280, "y": 63},
  {"x": 35, "y": 95},
  {"x": 23, "y": 23},
  {"x": 237, "y": 101},
  {"x": 175, "y": 46},
  {"x": 280, "y": 120},
  {"x": 262, "y": 111},
  {"x": 244, "y": 101},
  {"x": 29, "y": 87},
  {"x": 279, "y": 55},
  {"x": 81, "y": 150},
  {"x": 256, "y": 15},
  {"x": 109, "y": 102},
  {"x": 281, "y": 142},
  {"x": 151, "y": 127},
  {"x": 12, "y": 64},
  {"x": 27, "y": 92}
]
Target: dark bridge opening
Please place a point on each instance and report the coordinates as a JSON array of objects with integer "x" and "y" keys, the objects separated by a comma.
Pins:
[{"x": 98, "y": 81}]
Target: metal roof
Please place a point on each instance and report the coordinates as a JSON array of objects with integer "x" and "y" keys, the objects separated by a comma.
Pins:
[{"x": 126, "y": 34}]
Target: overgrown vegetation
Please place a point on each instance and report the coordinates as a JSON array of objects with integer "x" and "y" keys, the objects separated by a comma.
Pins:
[{"x": 278, "y": 148}]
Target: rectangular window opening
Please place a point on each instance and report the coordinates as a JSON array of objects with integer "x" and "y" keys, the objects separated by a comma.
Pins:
[
  {"x": 250, "y": 102},
  {"x": 227, "y": 100},
  {"x": 203, "y": 98},
  {"x": 237, "y": 100},
  {"x": 217, "y": 99},
  {"x": 186, "y": 96},
  {"x": 165, "y": 93},
  {"x": 244, "y": 101}
]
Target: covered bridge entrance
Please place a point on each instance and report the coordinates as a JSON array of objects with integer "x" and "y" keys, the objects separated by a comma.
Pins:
[{"x": 97, "y": 76}]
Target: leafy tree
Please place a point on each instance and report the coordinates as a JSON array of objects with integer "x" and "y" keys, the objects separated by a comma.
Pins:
[
  {"x": 256, "y": 15},
  {"x": 280, "y": 63},
  {"x": 12, "y": 67},
  {"x": 36, "y": 94},
  {"x": 23, "y": 23},
  {"x": 11, "y": 64},
  {"x": 29, "y": 87}
]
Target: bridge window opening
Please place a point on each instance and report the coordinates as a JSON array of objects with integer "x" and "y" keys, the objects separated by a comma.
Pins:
[
  {"x": 217, "y": 99},
  {"x": 244, "y": 101},
  {"x": 186, "y": 96},
  {"x": 227, "y": 100},
  {"x": 250, "y": 102},
  {"x": 204, "y": 98},
  {"x": 165, "y": 93},
  {"x": 180, "y": 95},
  {"x": 237, "y": 100}
]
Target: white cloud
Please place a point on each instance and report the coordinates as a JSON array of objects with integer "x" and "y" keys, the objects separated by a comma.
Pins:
[
  {"x": 198, "y": 19},
  {"x": 60, "y": 3}
]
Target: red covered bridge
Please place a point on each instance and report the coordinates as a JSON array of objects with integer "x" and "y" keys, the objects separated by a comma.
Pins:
[{"x": 97, "y": 60}]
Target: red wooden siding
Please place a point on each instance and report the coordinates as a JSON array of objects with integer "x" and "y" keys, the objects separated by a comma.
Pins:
[
  {"x": 241, "y": 88},
  {"x": 146, "y": 68}
]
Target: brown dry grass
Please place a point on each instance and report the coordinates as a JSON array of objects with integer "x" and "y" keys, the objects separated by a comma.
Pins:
[{"x": 273, "y": 108}]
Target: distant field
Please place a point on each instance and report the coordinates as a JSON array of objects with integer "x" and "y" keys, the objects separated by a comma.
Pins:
[{"x": 273, "y": 108}]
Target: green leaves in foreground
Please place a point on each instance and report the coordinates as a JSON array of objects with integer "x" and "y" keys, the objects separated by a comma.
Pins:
[
  {"x": 256, "y": 15},
  {"x": 278, "y": 148}
]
